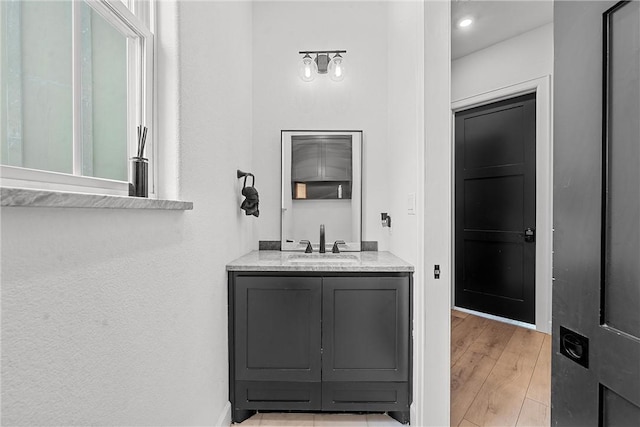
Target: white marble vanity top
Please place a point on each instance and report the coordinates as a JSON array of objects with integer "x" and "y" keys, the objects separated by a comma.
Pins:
[{"x": 299, "y": 261}]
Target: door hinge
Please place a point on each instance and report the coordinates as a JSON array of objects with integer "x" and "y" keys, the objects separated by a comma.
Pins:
[{"x": 436, "y": 271}]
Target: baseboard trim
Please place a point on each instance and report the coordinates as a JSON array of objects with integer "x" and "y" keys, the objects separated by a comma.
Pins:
[
  {"x": 498, "y": 318},
  {"x": 412, "y": 414},
  {"x": 224, "y": 420}
]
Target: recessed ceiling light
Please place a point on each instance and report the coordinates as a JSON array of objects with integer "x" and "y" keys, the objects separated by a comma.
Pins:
[{"x": 465, "y": 22}]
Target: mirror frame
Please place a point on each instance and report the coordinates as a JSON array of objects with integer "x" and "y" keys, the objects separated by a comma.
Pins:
[{"x": 354, "y": 245}]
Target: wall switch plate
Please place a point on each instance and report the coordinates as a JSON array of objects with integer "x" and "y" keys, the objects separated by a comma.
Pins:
[{"x": 411, "y": 203}]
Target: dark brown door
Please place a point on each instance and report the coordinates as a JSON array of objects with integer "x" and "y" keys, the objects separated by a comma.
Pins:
[
  {"x": 495, "y": 208},
  {"x": 596, "y": 291}
]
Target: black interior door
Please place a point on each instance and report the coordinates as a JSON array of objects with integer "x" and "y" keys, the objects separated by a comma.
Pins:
[
  {"x": 495, "y": 208},
  {"x": 596, "y": 292}
]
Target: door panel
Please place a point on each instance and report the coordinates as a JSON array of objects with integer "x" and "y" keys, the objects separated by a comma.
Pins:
[
  {"x": 365, "y": 332},
  {"x": 280, "y": 316},
  {"x": 617, "y": 411},
  {"x": 495, "y": 203},
  {"x": 497, "y": 262},
  {"x": 490, "y": 142},
  {"x": 623, "y": 188},
  {"x": 596, "y": 288}
]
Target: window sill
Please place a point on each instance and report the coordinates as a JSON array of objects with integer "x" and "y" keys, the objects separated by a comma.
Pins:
[{"x": 22, "y": 197}]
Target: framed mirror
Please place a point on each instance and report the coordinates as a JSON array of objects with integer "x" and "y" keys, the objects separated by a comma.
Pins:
[{"x": 321, "y": 184}]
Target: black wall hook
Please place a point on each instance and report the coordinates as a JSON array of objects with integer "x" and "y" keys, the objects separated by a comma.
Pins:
[{"x": 241, "y": 174}]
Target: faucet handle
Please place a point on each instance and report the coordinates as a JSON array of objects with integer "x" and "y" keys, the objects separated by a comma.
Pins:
[
  {"x": 335, "y": 249},
  {"x": 309, "y": 249}
]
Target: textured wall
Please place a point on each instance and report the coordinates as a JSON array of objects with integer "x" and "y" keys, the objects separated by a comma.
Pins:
[
  {"x": 282, "y": 101},
  {"x": 118, "y": 317}
]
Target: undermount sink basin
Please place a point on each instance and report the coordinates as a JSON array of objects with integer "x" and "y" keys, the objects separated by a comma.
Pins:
[{"x": 322, "y": 258}]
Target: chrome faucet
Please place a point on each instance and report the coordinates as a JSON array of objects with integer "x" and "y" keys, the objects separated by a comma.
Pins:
[{"x": 322, "y": 248}]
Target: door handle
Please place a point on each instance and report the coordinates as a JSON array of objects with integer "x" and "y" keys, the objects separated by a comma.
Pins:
[
  {"x": 574, "y": 346},
  {"x": 530, "y": 235}
]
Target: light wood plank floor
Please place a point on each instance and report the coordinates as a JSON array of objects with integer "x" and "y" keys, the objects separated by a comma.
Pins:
[{"x": 500, "y": 373}]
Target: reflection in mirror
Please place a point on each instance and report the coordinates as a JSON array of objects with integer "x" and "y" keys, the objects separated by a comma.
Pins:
[{"x": 321, "y": 184}]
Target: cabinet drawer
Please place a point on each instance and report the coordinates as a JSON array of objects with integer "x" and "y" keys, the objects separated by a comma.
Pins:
[
  {"x": 365, "y": 396},
  {"x": 278, "y": 395}
]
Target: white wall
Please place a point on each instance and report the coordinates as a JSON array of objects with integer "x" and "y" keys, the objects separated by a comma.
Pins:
[
  {"x": 525, "y": 57},
  {"x": 519, "y": 65},
  {"x": 405, "y": 164},
  {"x": 118, "y": 317},
  {"x": 282, "y": 101},
  {"x": 434, "y": 400},
  {"x": 405, "y": 151}
]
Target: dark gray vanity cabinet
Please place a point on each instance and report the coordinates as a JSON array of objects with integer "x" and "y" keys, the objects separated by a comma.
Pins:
[{"x": 320, "y": 342}]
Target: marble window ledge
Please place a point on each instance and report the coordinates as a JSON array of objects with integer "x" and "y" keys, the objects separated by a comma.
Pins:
[{"x": 21, "y": 197}]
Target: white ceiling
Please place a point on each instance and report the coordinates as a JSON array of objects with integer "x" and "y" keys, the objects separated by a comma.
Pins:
[{"x": 494, "y": 21}]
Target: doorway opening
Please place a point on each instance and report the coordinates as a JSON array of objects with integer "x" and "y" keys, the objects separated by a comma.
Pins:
[
  {"x": 481, "y": 346},
  {"x": 542, "y": 227}
]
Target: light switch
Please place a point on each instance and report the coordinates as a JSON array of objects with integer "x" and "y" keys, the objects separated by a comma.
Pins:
[{"x": 411, "y": 203}]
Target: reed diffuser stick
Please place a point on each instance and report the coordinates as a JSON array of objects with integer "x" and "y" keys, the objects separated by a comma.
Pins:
[{"x": 142, "y": 139}]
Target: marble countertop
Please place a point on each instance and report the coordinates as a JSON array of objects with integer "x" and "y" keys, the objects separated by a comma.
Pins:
[{"x": 299, "y": 261}]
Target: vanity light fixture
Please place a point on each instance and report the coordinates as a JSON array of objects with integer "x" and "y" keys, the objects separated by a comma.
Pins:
[{"x": 322, "y": 64}]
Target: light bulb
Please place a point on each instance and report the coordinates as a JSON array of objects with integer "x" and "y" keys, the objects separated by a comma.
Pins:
[
  {"x": 336, "y": 68},
  {"x": 308, "y": 68},
  {"x": 465, "y": 22}
]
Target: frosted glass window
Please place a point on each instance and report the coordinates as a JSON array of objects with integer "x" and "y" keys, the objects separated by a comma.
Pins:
[
  {"x": 104, "y": 98},
  {"x": 76, "y": 81},
  {"x": 37, "y": 90}
]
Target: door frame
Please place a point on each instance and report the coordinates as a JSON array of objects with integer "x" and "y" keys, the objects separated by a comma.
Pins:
[{"x": 544, "y": 184}]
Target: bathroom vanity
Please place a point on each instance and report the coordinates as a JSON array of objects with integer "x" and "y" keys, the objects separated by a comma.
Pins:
[{"x": 320, "y": 332}]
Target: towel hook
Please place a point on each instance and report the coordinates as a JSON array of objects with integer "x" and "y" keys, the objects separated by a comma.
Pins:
[{"x": 241, "y": 174}]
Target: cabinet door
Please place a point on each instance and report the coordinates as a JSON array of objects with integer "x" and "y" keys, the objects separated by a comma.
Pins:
[
  {"x": 337, "y": 160},
  {"x": 365, "y": 334},
  {"x": 306, "y": 161},
  {"x": 277, "y": 328}
]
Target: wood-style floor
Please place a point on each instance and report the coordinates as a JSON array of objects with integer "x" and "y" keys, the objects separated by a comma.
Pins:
[{"x": 500, "y": 373}]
